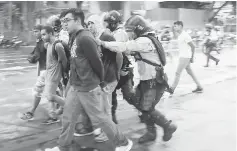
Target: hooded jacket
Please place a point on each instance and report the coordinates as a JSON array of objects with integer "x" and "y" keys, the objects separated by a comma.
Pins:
[{"x": 111, "y": 64}]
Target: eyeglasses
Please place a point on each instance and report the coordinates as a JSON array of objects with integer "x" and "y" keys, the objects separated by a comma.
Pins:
[
  {"x": 90, "y": 23},
  {"x": 66, "y": 20}
]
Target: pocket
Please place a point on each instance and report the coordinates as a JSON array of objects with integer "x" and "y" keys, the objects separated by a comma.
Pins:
[
  {"x": 96, "y": 90},
  {"x": 159, "y": 75}
]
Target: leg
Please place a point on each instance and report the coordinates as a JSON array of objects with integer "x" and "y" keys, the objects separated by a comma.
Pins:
[
  {"x": 50, "y": 91},
  {"x": 97, "y": 116},
  {"x": 147, "y": 96},
  {"x": 127, "y": 90},
  {"x": 207, "y": 53},
  {"x": 151, "y": 92},
  {"x": 213, "y": 58},
  {"x": 72, "y": 110},
  {"x": 182, "y": 64},
  {"x": 38, "y": 90},
  {"x": 114, "y": 106},
  {"x": 191, "y": 73},
  {"x": 159, "y": 119},
  {"x": 37, "y": 93}
]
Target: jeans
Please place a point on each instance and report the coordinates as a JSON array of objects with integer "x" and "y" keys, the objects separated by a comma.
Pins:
[
  {"x": 107, "y": 98},
  {"x": 184, "y": 63},
  {"x": 89, "y": 103},
  {"x": 209, "y": 56}
]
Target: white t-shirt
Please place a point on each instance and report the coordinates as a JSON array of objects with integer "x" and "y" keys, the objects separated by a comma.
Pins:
[{"x": 184, "y": 49}]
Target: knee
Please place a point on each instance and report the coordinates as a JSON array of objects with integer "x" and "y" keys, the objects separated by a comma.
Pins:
[
  {"x": 177, "y": 74},
  {"x": 189, "y": 71},
  {"x": 50, "y": 97},
  {"x": 37, "y": 92}
]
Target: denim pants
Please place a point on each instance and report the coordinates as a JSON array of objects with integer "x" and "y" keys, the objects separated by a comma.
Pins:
[
  {"x": 107, "y": 98},
  {"x": 89, "y": 103},
  {"x": 106, "y": 103},
  {"x": 184, "y": 63}
]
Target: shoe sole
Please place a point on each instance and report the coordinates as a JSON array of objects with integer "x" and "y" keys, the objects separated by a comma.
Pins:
[
  {"x": 51, "y": 122},
  {"x": 198, "y": 92},
  {"x": 81, "y": 135},
  {"x": 130, "y": 147},
  {"x": 20, "y": 115}
]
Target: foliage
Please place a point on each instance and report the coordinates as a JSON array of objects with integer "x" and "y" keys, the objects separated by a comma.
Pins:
[{"x": 15, "y": 14}]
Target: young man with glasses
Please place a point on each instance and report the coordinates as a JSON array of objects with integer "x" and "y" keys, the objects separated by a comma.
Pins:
[{"x": 86, "y": 81}]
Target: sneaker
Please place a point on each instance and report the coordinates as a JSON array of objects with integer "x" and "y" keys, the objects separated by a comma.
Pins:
[
  {"x": 128, "y": 147},
  {"x": 51, "y": 121},
  {"x": 27, "y": 116},
  {"x": 101, "y": 137},
  {"x": 52, "y": 149},
  {"x": 198, "y": 90},
  {"x": 83, "y": 132}
]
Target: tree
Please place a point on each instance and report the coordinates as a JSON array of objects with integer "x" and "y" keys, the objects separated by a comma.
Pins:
[
  {"x": 217, "y": 11},
  {"x": 10, "y": 13}
]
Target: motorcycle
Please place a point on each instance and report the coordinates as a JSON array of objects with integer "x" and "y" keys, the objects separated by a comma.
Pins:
[{"x": 10, "y": 43}]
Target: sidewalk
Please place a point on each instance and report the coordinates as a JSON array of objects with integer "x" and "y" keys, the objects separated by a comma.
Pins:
[{"x": 24, "y": 134}]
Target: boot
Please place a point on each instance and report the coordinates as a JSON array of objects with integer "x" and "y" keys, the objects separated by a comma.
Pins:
[
  {"x": 149, "y": 136},
  {"x": 167, "y": 125},
  {"x": 114, "y": 118}
]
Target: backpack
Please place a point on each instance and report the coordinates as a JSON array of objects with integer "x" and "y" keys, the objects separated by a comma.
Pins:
[
  {"x": 159, "y": 48},
  {"x": 65, "y": 72},
  {"x": 161, "y": 76}
]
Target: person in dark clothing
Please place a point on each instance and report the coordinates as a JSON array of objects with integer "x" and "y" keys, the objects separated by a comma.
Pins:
[
  {"x": 84, "y": 87},
  {"x": 125, "y": 83},
  {"x": 112, "y": 62},
  {"x": 152, "y": 77},
  {"x": 40, "y": 53}
]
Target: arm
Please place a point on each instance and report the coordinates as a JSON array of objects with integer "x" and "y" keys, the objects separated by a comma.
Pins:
[
  {"x": 140, "y": 45},
  {"x": 189, "y": 41},
  {"x": 90, "y": 49},
  {"x": 192, "y": 48},
  {"x": 119, "y": 60},
  {"x": 121, "y": 36},
  {"x": 61, "y": 55}
]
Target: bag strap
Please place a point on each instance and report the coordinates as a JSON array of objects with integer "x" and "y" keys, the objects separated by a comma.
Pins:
[
  {"x": 145, "y": 60},
  {"x": 159, "y": 48}
]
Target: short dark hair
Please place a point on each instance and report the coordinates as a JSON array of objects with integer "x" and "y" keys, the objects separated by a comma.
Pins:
[
  {"x": 38, "y": 27},
  {"x": 77, "y": 13},
  {"x": 63, "y": 13},
  {"x": 179, "y": 23},
  {"x": 48, "y": 29}
]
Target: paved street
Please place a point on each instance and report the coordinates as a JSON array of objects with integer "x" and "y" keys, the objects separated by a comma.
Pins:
[{"x": 206, "y": 121}]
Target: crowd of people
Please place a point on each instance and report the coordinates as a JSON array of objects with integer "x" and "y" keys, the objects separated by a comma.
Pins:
[{"x": 82, "y": 62}]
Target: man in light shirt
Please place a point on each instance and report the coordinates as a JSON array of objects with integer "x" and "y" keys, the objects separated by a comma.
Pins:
[
  {"x": 210, "y": 42},
  {"x": 186, "y": 56}
]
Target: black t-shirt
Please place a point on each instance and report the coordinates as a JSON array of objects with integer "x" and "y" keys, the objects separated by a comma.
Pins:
[{"x": 109, "y": 59}]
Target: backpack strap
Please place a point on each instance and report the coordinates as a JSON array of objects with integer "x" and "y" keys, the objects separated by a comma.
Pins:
[
  {"x": 55, "y": 54},
  {"x": 159, "y": 48},
  {"x": 138, "y": 56}
]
